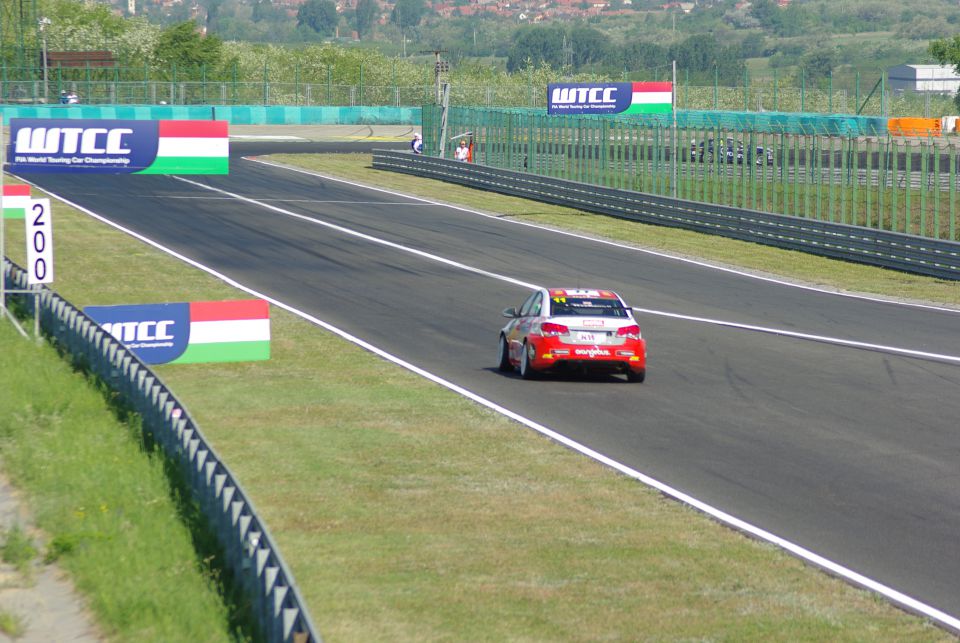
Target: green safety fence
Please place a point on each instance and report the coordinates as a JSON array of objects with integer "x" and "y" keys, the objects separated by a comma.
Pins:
[
  {"x": 234, "y": 114},
  {"x": 906, "y": 185},
  {"x": 778, "y": 122}
]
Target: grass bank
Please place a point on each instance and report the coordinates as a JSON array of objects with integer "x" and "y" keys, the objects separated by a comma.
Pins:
[
  {"x": 409, "y": 513},
  {"x": 104, "y": 500}
]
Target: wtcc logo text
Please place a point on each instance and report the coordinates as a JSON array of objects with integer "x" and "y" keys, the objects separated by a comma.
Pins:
[
  {"x": 588, "y": 98},
  {"x": 72, "y": 140},
  {"x": 583, "y": 95},
  {"x": 157, "y": 333},
  {"x": 140, "y": 331}
]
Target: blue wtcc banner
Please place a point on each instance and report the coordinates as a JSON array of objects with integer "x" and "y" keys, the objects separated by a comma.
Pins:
[
  {"x": 157, "y": 333},
  {"x": 588, "y": 98},
  {"x": 81, "y": 145}
]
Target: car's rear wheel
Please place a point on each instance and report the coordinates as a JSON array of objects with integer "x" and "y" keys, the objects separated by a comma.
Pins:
[
  {"x": 527, "y": 371},
  {"x": 636, "y": 376},
  {"x": 504, "y": 355}
]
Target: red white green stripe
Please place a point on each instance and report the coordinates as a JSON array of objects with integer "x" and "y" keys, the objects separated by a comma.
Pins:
[
  {"x": 191, "y": 147},
  {"x": 651, "y": 98},
  {"x": 228, "y": 331},
  {"x": 16, "y": 201}
]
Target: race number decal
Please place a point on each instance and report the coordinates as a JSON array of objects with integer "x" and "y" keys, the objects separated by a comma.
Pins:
[{"x": 39, "y": 235}]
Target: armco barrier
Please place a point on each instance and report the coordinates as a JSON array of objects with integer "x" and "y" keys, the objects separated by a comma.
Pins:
[
  {"x": 908, "y": 253},
  {"x": 247, "y": 544}
]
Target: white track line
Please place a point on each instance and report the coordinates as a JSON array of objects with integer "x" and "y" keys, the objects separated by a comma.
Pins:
[
  {"x": 807, "y": 336},
  {"x": 493, "y": 275},
  {"x": 856, "y": 578},
  {"x": 655, "y": 253},
  {"x": 360, "y": 235}
]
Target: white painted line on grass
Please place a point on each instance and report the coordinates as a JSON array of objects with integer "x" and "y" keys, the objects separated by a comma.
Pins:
[
  {"x": 493, "y": 275},
  {"x": 655, "y": 253},
  {"x": 856, "y": 578}
]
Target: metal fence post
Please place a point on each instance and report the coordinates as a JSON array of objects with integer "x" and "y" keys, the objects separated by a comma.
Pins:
[
  {"x": 830, "y": 97},
  {"x": 716, "y": 87},
  {"x": 803, "y": 89},
  {"x": 776, "y": 88},
  {"x": 266, "y": 90}
]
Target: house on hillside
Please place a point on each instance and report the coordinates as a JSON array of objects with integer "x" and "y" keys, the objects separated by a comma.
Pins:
[{"x": 938, "y": 79}]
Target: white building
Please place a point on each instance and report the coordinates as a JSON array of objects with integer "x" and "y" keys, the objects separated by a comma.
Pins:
[{"x": 940, "y": 79}]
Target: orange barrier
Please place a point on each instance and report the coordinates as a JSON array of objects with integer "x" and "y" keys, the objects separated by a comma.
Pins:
[{"x": 909, "y": 126}]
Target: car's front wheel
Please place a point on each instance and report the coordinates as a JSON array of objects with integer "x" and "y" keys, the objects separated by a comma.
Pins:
[
  {"x": 504, "y": 355},
  {"x": 527, "y": 371}
]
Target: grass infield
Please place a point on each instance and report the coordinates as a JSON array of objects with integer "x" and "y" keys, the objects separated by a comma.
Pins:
[{"x": 409, "y": 513}]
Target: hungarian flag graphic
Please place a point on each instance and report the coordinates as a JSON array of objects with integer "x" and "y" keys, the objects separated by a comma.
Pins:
[
  {"x": 228, "y": 331},
  {"x": 191, "y": 147},
  {"x": 651, "y": 98},
  {"x": 16, "y": 201}
]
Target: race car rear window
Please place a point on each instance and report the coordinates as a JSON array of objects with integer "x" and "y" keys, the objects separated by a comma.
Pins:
[{"x": 587, "y": 307}]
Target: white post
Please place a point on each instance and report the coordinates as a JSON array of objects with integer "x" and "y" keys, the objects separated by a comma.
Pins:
[
  {"x": 673, "y": 111},
  {"x": 43, "y": 37}
]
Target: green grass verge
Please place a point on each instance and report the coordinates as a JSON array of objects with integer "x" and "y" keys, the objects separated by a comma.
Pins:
[
  {"x": 105, "y": 501},
  {"x": 12, "y": 624},
  {"x": 18, "y": 549},
  {"x": 408, "y": 513}
]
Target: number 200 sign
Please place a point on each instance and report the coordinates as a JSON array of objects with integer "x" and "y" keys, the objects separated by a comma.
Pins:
[{"x": 39, "y": 242}]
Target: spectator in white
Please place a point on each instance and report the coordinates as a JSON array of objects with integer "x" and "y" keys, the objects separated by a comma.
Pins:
[
  {"x": 417, "y": 144},
  {"x": 462, "y": 153},
  {"x": 72, "y": 98}
]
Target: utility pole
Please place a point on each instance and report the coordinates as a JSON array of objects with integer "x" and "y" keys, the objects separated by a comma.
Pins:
[
  {"x": 441, "y": 67},
  {"x": 43, "y": 23}
]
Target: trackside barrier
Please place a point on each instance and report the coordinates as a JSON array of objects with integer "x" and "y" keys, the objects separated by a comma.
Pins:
[
  {"x": 249, "y": 549},
  {"x": 908, "y": 126},
  {"x": 908, "y": 253}
]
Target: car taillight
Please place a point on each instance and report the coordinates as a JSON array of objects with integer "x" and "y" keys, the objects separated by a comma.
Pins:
[
  {"x": 549, "y": 329},
  {"x": 630, "y": 332}
]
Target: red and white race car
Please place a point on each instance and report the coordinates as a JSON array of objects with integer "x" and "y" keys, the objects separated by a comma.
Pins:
[{"x": 573, "y": 329}]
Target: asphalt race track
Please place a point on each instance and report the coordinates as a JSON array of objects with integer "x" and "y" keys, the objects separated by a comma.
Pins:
[{"x": 853, "y": 453}]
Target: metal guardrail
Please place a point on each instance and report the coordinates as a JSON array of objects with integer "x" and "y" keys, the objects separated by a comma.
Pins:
[
  {"x": 248, "y": 547},
  {"x": 894, "y": 250}
]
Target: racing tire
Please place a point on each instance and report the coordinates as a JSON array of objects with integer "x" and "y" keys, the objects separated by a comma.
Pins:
[
  {"x": 527, "y": 371},
  {"x": 636, "y": 376},
  {"x": 504, "y": 356}
]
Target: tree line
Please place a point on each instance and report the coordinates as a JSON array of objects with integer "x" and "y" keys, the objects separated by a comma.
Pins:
[{"x": 583, "y": 48}]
